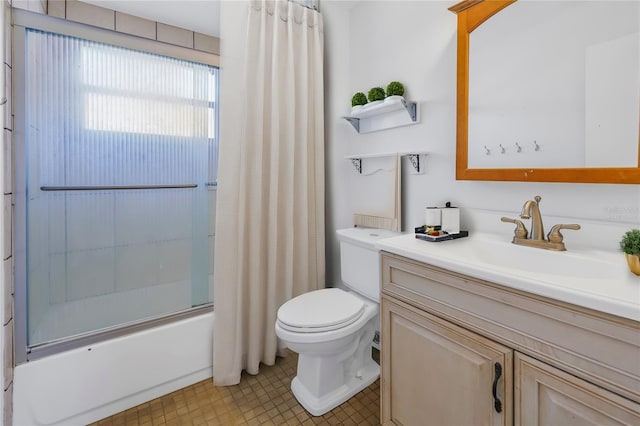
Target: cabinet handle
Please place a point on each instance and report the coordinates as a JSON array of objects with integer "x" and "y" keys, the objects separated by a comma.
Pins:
[{"x": 497, "y": 404}]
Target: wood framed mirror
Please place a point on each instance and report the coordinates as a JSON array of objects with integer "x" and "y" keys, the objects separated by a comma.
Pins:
[{"x": 471, "y": 14}]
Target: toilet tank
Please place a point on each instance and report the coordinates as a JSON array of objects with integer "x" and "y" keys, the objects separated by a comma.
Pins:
[{"x": 360, "y": 260}]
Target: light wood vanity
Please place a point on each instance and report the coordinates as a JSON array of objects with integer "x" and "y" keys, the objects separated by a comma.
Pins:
[{"x": 445, "y": 335}]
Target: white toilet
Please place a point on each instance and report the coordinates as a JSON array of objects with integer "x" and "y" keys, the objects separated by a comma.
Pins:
[{"x": 332, "y": 329}]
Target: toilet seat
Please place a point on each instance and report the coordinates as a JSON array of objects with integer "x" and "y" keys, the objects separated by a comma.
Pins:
[{"x": 320, "y": 310}]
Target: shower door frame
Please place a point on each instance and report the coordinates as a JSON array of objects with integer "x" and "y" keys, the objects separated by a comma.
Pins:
[{"x": 22, "y": 20}]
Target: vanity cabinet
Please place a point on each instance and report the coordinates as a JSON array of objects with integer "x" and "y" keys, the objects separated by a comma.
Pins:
[{"x": 443, "y": 334}]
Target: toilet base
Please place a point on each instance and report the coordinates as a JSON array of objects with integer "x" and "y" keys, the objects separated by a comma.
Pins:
[{"x": 318, "y": 406}]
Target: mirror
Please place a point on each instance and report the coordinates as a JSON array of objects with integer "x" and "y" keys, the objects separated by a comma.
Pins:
[{"x": 548, "y": 91}]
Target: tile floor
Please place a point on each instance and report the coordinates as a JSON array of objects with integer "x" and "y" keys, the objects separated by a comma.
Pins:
[{"x": 264, "y": 399}]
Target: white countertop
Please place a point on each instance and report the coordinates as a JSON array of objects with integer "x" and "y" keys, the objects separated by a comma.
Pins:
[{"x": 598, "y": 280}]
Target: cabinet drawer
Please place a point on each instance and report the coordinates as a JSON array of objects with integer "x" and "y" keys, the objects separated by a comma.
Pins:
[{"x": 597, "y": 347}]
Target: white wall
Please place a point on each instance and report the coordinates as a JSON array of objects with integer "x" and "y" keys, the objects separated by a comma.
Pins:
[
  {"x": 374, "y": 42},
  {"x": 337, "y": 88}
]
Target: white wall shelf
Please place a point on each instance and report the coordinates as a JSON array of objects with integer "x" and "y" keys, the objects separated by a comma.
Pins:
[
  {"x": 394, "y": 111},
  {"x": 414, "y": 158}
]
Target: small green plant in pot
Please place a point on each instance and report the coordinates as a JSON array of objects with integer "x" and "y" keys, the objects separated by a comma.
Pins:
[
  {"x": 376, "y": 94},
  {"x": 630, "y": 245},
  {"x": 395, "y": 88},
  {"x": 358, "y": 99}
]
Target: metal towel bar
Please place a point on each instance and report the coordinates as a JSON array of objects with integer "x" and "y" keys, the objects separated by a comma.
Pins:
[{"x": 115, "y": 187}]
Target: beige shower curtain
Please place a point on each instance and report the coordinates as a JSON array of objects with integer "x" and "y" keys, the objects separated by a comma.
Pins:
[{"x": 270, "y": 210}]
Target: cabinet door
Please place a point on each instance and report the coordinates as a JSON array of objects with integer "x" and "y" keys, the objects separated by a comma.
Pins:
[
  {"x": 436, "y": 373},
  {"x": 545, "y": 395}
]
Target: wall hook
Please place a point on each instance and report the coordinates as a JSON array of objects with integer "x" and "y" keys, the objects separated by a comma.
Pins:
[
  {"x": 502, "y": 150},
  {"x": 488, "y": 151},
  {"x": 519, "y": 147},
  {"x": 537, "y": 148}
]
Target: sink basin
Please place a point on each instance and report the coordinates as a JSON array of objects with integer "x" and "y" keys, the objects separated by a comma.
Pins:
[
  {"x": 531, "y": 260},
  {"x": 595, "y": 279}
]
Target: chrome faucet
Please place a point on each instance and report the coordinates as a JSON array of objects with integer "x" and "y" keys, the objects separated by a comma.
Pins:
[{"x": 531, "y": 210}]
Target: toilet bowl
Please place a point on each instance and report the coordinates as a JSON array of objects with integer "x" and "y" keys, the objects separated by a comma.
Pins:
[{"x": 332, "y": 329}]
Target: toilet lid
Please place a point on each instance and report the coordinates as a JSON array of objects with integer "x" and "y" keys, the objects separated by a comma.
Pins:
[{"x": 320, "y": 310}]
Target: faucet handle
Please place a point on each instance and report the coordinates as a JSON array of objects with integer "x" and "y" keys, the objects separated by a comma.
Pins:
[
  {"x": 520, "y": 231},
  {"x": 555, "y": 236}
]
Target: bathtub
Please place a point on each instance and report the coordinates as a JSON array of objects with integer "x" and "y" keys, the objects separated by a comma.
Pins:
[{"x": 84, "y": 385}]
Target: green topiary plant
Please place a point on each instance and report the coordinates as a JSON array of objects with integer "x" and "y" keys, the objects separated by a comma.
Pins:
[
  {"x": 358, "y": 99},
  {"x": 395, "y": 88},
  {"x": 376, "y": 94},
  {"x": 630, "y": 243}
]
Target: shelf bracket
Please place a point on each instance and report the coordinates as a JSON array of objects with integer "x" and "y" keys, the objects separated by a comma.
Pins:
[
  {"x": 357, "y": 163},
  {"x": 355, "y": 122},
  {"x": 415, "y": 161},
  {"x": 412, "y": 110}
]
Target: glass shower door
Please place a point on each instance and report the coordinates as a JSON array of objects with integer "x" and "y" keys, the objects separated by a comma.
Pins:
[{"x": 118, "y": 158}]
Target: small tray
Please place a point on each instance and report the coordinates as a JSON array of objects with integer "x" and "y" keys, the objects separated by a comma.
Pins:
[{"x": 444, "y": 237}]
